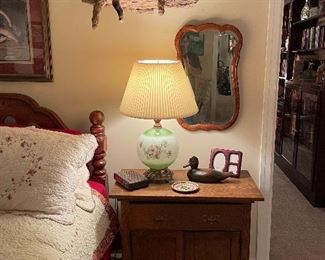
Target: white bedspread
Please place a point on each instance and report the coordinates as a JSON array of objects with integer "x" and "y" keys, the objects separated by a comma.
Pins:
[{"x": 27, "y": 238}]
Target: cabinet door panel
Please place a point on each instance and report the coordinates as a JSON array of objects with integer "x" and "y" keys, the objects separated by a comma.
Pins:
[
  {"x": 212, "y": 245},
  {"x": 148, "y": 245},
  {"x": 306, "y": 137},
  {"x": 289, "y": 131}
]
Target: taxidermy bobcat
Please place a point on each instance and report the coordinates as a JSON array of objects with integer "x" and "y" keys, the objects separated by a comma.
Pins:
[{"x": 99, "y": 4}]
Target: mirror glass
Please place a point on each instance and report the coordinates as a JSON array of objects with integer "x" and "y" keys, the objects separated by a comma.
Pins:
[{"x": 210, "y": 55}]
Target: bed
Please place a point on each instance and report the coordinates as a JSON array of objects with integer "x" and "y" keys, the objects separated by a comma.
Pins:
[{"x": 57, "y": 207}]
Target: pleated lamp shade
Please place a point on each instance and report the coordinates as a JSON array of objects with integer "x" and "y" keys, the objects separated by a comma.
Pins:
[{"x": 158, "y": 89}]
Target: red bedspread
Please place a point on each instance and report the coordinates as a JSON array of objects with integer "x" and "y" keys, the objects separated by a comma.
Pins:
[{"x": 100, "y": 188}]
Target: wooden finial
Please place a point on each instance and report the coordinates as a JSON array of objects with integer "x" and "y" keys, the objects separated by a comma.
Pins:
[
  {"x": 97, "y": 117},
  {"x": 98, "y": 130}
]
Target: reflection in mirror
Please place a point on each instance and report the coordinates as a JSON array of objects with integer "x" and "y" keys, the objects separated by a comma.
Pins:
[{"x": 210, "y": 55}]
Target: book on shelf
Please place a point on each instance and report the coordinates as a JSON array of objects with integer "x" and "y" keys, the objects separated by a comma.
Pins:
[
  {"x": 322, "y": 37},
  {"x": 313, "y": 38},
  {"x": 317, "y": 39},
  {"x": 283, "y": 69}
]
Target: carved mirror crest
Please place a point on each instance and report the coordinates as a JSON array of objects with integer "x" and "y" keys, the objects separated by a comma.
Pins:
[{"x": 210, "y": 54}]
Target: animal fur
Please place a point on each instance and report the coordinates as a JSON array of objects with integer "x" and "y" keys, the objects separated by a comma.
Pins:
[
  {"x": 139, "y": 6},
  {"x": 98, "y": 6}
]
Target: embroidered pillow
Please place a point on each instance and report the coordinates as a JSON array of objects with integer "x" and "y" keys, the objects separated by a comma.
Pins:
[{"x": 39, "y": 171}]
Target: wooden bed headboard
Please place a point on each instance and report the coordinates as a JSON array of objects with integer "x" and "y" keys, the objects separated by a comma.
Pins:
[{"x": 22, "y": 110}]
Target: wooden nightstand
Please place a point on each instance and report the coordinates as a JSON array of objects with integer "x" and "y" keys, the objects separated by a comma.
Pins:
[{"x": 213, "y": 223}]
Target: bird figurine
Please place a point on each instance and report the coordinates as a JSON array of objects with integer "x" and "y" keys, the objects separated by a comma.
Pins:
[{"x": 210, "y": 175}]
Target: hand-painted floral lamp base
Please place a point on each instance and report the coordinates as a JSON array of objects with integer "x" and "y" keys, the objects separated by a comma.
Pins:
[{"x": 158, "y": 148}]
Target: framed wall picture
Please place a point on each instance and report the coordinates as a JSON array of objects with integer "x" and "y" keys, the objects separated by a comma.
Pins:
[{"x": 25, "y": 49}]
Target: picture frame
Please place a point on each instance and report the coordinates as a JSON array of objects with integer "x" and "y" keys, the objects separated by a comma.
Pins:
[
  {"x": 25, "y": 46},
  {"x": 226, "y": 160}
]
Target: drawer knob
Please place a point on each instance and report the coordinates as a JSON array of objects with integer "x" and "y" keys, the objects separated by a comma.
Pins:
[
  {"x": 160, "y": 218},
  {"x": 211, "y": 219}
]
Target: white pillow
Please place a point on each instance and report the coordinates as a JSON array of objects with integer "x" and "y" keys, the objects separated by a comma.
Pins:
[
  {"x": 84, "y": 195},
  {"x": 39, "y": 171}
]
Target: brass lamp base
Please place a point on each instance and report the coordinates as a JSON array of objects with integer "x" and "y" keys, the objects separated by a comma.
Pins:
[{"x": 159, "y": 176}]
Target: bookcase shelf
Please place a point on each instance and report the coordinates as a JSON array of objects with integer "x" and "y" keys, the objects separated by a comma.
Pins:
[
  {"x": 308, "y": 50},
  {"x": 300, "y": 127},
  {"x": 309, "y": 20}
]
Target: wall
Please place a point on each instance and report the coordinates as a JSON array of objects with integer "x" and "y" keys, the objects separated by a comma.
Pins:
[{"x": 91, "y": 69}]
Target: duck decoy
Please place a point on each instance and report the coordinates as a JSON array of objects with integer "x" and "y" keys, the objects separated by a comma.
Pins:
[{"x": 210, "y": 175}]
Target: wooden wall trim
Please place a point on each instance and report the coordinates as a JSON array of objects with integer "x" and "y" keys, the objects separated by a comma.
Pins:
[{"x": 268, "y": 128}]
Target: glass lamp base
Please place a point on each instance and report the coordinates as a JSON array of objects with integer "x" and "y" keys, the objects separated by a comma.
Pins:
[
  {"x": 157, "y": 149},
  {"x": 159, "y": 176}
]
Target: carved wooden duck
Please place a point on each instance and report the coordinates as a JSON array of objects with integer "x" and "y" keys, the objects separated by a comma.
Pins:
[{"x": 209, "y": 175}]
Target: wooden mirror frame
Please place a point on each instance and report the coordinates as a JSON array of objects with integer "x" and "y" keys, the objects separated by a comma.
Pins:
[{"x": 234, "y": 65}]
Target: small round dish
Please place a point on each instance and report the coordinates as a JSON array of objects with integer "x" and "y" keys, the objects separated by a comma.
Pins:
[{"x": 185, "y": 186}]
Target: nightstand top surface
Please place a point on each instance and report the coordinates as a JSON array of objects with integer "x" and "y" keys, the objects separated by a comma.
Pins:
[{"x": 243, "y": 190}]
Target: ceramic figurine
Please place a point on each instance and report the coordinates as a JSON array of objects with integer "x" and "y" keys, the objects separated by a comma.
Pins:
[
  {"x": 305, "y": 12},
  {"x": 209, "y": 175}
]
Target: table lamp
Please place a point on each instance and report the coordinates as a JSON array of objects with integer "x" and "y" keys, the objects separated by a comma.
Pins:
[{"x": 158, "y": 89}]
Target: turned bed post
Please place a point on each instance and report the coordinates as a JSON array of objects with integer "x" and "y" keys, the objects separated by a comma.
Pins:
[{"x": 98, "y": 163}]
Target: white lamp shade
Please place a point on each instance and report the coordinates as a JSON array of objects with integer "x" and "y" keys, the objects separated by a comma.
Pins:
[{"x": 158, "y": 89}]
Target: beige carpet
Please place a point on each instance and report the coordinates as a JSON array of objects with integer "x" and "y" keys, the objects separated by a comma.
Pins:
[{"x": 298, "y": 229}]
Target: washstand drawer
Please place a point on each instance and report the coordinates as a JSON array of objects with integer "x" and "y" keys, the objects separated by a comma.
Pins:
[{"x": 188, "y": 216}]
